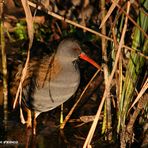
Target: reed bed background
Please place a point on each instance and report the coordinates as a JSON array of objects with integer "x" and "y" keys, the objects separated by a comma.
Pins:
[{"x": 121, "y": 31}]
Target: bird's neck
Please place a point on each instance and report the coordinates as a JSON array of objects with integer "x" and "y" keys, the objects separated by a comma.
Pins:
[{"x": 64, "y": 60}]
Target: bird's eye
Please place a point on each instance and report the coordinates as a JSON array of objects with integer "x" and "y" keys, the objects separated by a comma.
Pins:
[{"x": 77, "y": 50}]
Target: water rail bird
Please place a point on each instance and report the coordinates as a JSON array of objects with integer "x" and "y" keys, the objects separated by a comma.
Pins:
[{"x": 52, "y": 80}]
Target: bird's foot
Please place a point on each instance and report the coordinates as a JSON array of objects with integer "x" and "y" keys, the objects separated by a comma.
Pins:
[{"x": 34, "y": 131}]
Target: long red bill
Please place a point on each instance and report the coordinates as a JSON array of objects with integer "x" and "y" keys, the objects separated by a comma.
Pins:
[{"x": 89, "y": 60}]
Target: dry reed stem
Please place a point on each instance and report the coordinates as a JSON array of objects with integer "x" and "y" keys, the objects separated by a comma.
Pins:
[
  {"x": 107, "y": 110},
  {"x": 94, "y": 124},
  {"x": 136, "y": 51},
  {"x": 142, "y": 91},
  {"x": 4, "y": 66},
  {"x": 29, "y": 21},
  {"x": 119, "y": 82},
  {"x": 112, "y": 7},
  {"x": 114, "y": 38}
]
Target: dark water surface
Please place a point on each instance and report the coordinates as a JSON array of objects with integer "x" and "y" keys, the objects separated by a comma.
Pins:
[{"x": 16, "y": 135}]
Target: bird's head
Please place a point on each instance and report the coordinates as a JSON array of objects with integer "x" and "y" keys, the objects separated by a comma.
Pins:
[{"x": 69, "y": 50}]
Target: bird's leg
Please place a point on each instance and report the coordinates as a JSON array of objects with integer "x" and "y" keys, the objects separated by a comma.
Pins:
[
  {"x": 22, "y": 116},
  {"x": 30, "y": 122},
  {"x": 29, "y": 118},
  {"x": 61, "y": 115},
  {"x": 34, "y": 122}
]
